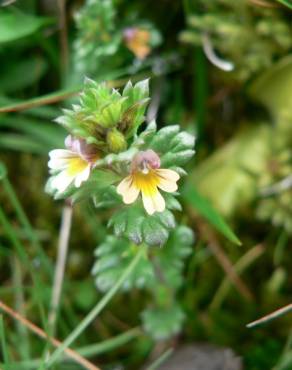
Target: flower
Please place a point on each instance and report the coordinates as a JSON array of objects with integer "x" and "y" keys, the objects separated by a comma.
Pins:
[
  {"x": 137, "y": 40},
  {"x": 146, "y": 177},
  {"x": 73, "y": 164}
]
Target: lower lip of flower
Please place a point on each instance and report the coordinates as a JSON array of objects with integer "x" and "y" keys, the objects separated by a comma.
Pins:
[
  {"x": 146, "y": 182},
  {"x": 76, "y": 166}
]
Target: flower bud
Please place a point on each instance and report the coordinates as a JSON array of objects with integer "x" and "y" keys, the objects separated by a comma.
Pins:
[{"x": 116, "y": 141}]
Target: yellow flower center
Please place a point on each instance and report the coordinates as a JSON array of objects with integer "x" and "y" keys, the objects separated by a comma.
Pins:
[
  {"x": 76, "y": 165},
  {"x": 146, "y": 182}
]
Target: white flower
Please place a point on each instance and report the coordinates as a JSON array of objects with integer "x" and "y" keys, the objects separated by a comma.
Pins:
[
  {"x": 71, "y": 168},
  {"x": 146, "y": 177}
]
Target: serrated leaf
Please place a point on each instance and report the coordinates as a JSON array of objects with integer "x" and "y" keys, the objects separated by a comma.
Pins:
[
  {"x": 163, "y": 322},
  {"x": 113, "y": 256},
  {"x": 135, "y": 224},
  {"x": 174, "y": 147},
  {"x": 116, "y": 252},
  {"x": 108, "y": 198},
  {"x": 172, "y": 202},
  {"x": 163, "y": 137},
  {"x": 204, "y": 208}
]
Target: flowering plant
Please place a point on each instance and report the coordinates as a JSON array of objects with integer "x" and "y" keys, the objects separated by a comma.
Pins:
[{"x": 108, "y": 159}]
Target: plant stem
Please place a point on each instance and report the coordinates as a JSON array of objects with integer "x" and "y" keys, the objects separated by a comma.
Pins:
[
  {"x": 60, "y": 266},
  {"x": 95, "y": 311},
  {"x": 61, "y": 95}
]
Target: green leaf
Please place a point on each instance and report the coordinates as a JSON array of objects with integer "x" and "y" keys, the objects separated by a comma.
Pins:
[
  {"x": 48, "y": 134},
  {"x": 273, "y": 88},
  {"x": 287, "y": 3},
  {"x": 163, "y": 322},
  {"x": 205, "y": 209},
  {"x": 15, "y": 25},
  {"x": 112, "y": 257},
  {"x": 23, "y": 73},
  {"x": 135, "y": 224},
  {"x": 114, "y": 254},
  {"x": 21, "y": 143},
  {"x": 3, "y": 171}
]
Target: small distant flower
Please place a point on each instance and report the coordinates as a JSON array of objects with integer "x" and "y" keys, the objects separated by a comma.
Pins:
[
  {"x": 73, "y": 164},
  {"x": 146, "y": 177},
  {"x": 137, "y": 40}
]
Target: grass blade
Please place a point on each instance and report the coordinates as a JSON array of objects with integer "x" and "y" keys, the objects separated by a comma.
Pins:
[
  {"x": 205, "y": 209},
  {"x": 160, "y": 359},
  {"x": 23, "y": 219},
  {"x": 287, "y": 3},
  {"x": 271, "y": 316},
  {"x": 3, "y": 342}
]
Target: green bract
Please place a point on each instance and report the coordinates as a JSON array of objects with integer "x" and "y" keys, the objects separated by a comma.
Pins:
[{"x": 106, "y": 117}]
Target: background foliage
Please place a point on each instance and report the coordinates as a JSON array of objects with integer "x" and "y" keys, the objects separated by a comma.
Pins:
[{"x": 223, "y": 71}]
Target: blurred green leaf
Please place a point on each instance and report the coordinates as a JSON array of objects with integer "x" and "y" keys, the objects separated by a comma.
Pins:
[
  {"x": 15, "y": 25},
  {"x": 49, "y": 134},
  {"x": 205, "y": 209},
  {"x": 227, "y": 178},
  {"x": 21, "y": 74},
  {"x": 21, "y": 143},
  {"x": 273, "y": 88},
  {"x": 163, "y": 322},
  {"x": 3, "y": 171}
]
